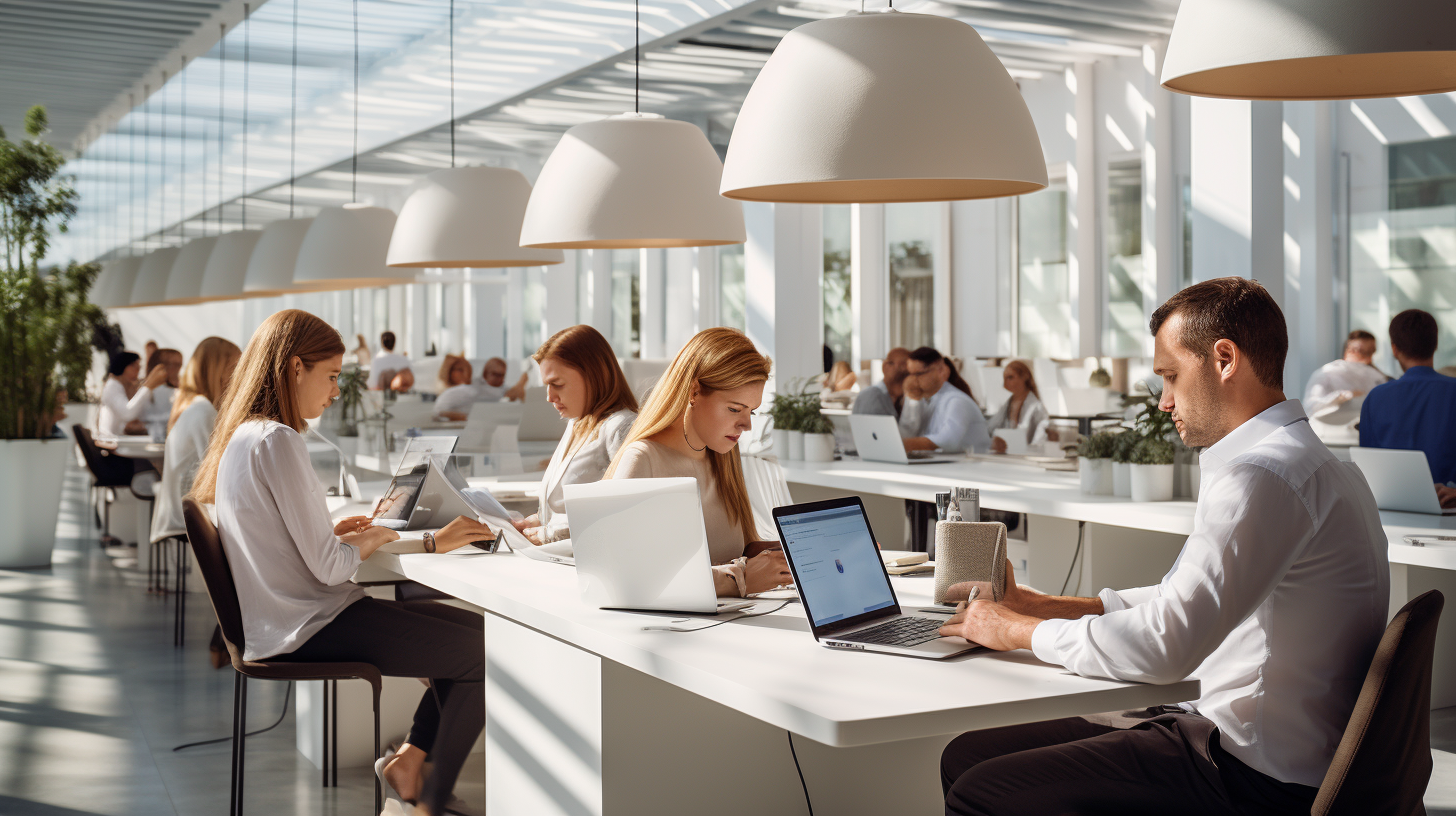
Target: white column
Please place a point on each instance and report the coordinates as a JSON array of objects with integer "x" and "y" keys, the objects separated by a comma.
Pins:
[
  {"x": 707, "y": 286},
  {"x": 976, "y": 250},
  {"x": 869, "y": 283},
  {"x": 489, "y": 318},
  {"x": 413, "y": 334},
  {"x": 651, "y": 290},
  {"x": 515, "y": 325},
  {"x": 1085, "y": 262},
  {"x": 601, "y": 290},
  {"x": 1162, "y": 243},
  {"x": 943, "y": 289},
  {"x": 782, "y": 277},
  {"x": 561, "y": 295},
  {"x": 1309, "y": 244},
  {"x": 680, "y": 286}
]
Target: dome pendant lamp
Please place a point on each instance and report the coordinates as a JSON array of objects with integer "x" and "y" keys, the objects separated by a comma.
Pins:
[
  {"x": 465, "y": 217},
  {"x": 1312, "y": 49},
  {"x": 629, "y": 181},
  {"x": 345, "y": 246},
  {"x": 883, "y": 107}
]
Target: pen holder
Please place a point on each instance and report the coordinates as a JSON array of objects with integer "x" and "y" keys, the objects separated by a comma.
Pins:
[{"x": 971, "y": 551}]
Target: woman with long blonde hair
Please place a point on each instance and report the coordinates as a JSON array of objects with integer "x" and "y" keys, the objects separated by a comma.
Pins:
[
  {"x": 690, "y": 426},
  {"x": 291, "y": 564},
  {"x": 586, "y": 386},
  {"x": 189, "y": 430}
]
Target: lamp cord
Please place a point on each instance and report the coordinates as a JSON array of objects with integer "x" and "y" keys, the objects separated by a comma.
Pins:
[
  {"x": 182, "y": 152},
  {"x": 293, "y": 116},
  {"x": 637, "y": 56},
  {"x": 162, "y": 165},
  {"x": 221, "y": 123},
  {"x": 354, "y": 160},
  {"x": 147, "y": 171},
  {"x": 247, "y": 36},
  {"x": 452, "y": 84},
  {"x": 131, "y": 178}
]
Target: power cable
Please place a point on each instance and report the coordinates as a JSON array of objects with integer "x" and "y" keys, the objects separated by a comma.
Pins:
[
  {"x": 795, "y": 754},
  {"x": 284, "y": 713},
  {"x": 1081, "y": 528}
]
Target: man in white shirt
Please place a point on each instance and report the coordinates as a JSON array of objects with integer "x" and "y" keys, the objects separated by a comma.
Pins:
[
  {"x": 886, "y": 397},
  {"x": 1353, "y": 375},
  {"x": 938, "y": 413},
  {"x": 386, "y": 360},
  {"x": 1275, "y": 604}
]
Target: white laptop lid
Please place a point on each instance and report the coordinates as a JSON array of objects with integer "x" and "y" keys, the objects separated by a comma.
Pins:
[
  {"x": 1400, "y": 479},
  {"x": 877, "y": 438},
  {"x": 641, "y": 544},
  {"x": 481, "y": 422}
]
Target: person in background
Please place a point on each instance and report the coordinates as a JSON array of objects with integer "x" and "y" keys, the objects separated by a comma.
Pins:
[
  {"x": 149, "y": 349},
  {"x": 159, "y": 410},
  {"x": 1339, "y": 381},
  {"x": 292, "y": 565},
  {"x": 386, "y": 361},
  {"x": 1023, "y": 411},
  {"x": 1275, "y": 604},
  {"x": 587, "y": 387},
  {"x": 937, "y": 417},
  {"x": 1417, "y": 411},
  {"x": 361, "y": 351},
  {"x": 690, "y": 426},
  {"x": 493, "y": 386},
  {"x": 117, "y": 411},
  {"x": 457, "y": 392},
  {"x": 839, "y": 379},
  {"x": 887, "y": 396}
]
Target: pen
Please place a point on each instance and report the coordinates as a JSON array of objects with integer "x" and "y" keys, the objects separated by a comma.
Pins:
[{"x": 975, "y": 593}]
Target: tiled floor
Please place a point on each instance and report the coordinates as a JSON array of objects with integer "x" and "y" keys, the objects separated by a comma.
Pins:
[{"x": 93, "y": 697}]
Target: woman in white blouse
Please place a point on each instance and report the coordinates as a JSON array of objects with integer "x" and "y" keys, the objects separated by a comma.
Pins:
[
  {"x": 1023, "y": 411},
  {"x": 587, "y": 387},
  {"x": 189, "y": 429},
  {"x": 291, "y": 564},
  {"x": 457, "y": 393},
  {"x": 117, "y": 409}
]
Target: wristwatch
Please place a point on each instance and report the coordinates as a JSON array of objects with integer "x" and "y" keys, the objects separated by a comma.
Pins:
[{"x": 429, "y": 542}]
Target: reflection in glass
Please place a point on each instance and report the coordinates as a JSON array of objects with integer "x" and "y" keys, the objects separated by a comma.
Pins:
[
  {"x": 1128, "y": 287},
  {"x": 838, "y": 314},
  {"x": 910, "y": 234},
  {"x": 733, "y": 303},
  {"x": 626, "y": 319},
  {"x": 1044, "y": 298}
]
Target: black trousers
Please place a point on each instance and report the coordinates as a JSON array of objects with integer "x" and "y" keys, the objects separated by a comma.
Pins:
[
  {"x": 418, "y": 639},
  {"x": 1154, "y": 761}
]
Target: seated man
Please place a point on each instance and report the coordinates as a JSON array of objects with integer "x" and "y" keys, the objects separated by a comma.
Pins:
[
  {"x": 1339, "y": 381},
  {"x": 396, "y": 365},
  {"x": 935, "y": 417},
  {"x": 1275, "y": 604},
  {"x": 492, "y": 387},
  {"x": 887, "y": 396},
  {"x": 1417, "y": 411}
]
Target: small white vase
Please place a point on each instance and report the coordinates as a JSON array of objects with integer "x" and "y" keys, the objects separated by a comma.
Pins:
[
  {"x": 1122, "y": 479},
  {"x": 818, "y": 447},
  {"x": 795, "y": 448},
  {"x": 1096, "y": 476},
  {"x": 1152, "y": 483}
]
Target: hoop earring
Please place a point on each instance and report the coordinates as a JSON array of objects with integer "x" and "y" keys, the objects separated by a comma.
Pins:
[{"x": 685, "y": 432}]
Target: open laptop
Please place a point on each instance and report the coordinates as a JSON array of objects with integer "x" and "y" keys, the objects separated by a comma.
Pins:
[
  {"x": 844, "y": 587},
  {"x": 877, "y": 439},
  {"x": 642, "y": 544},
  {"x": 1400, "y": 480}
]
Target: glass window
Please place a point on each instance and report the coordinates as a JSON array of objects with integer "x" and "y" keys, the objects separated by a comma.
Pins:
[
  {"x": 583, "y": 260},
  {"x": 626, "y": 317},
  {"x": 1128, "y": 287},
  {"x": 910, "y": 235},
  {"x": 1044, "y": 297},
  {"x": 533, "y": 310},
  {"x": 732, "y": 303},
  {"x": 838, "y": 314}
]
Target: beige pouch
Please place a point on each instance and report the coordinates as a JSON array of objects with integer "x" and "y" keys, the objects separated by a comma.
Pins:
[{"x": 970, "y": 551}]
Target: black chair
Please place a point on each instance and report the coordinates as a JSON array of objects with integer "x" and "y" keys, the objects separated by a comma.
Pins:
[
  {"x": 218, "y": 576},
  {"x": 107, "y": 473}
]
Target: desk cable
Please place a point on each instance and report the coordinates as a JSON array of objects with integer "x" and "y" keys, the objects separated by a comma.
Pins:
[
  {"x": 717, "y": 623},
  {"x": 1081, "y": 528},
  {"x": 795, "y": 754},
  {"x": 284, "y": 713}
]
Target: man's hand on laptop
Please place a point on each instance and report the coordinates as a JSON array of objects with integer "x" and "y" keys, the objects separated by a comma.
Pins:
[
  {"x": 992, "y": 625},
  {"x": 460, "y": 532},
  {"x": 767, "y": 570},
  {"x": 1446, "y": 495}
]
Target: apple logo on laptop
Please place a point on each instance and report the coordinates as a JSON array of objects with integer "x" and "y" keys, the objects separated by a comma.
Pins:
[
  {"x": 839, "y": 565},
  {"x": 874, "y": 436}
]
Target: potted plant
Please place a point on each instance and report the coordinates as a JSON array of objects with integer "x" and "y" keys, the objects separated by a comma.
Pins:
[
  {"x": 1094, "y": 466},
  {"x": 1152, "y": 469},
  {"x": 351, "y": 401},
  {"x": 46, "y": 328},
  {"x": 784, "y": 412},
  {"x": 818, "y": 431},
  {"x": 1122, "y": 446}
]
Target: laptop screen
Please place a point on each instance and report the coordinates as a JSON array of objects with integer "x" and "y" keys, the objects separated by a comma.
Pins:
[{"x": 836, "y": 563}]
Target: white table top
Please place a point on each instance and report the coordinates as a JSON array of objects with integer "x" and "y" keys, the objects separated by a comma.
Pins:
[
  {"x": 771, "y": 668},
  {"x": 133, "y": 447}
]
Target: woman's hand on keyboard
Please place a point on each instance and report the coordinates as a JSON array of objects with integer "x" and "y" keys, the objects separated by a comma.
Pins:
[
  {"x": 767, "y": 570},
  {"x": 460, "y": 532}
]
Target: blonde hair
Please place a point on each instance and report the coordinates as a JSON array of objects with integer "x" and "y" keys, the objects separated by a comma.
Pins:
[
  {"x": 261, "y": 386},
  {"x": 588, "y": 352},
  {"x": 1021, "y": 366},
  {"x": 206, "y": 375},
  {"x": 448, "y": 365},
  {"x": 718, "y": 359}
]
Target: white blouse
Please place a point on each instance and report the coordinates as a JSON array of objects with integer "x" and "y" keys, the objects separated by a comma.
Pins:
[
  {"x": 291, "y": 572},
  {"x": 116, "y": 410},
  {"x": 457, "y": 399},
  {"x": 588, "y": 463},
  {"x": 186, "y": 445},
  {"x": 1033, "y": 420}
]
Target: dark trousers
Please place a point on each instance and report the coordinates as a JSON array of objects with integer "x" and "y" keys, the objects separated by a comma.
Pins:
[
  {"x": 418, "y": 639},
  {"x": 1158, "y": 761}
]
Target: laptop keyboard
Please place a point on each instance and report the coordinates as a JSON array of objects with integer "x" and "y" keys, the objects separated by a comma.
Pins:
[{"x": 898, "y": 632}]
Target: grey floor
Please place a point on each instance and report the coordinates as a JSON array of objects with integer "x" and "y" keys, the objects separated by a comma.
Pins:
[{"x": 93, "y": 697}]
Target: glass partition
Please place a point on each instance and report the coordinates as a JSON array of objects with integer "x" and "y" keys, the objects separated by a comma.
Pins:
[
  {"x": 626, "y": 319},
  {"x": 733, "y": 298},
  {"x": 1044, "y": 299},
  {"x": 911, "y": 236},
  {"x": 1129, "y": 289},
  {"x": 838, "y": 311}
]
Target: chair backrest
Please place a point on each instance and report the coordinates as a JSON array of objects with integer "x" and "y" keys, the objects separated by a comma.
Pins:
[
  {"x": 767, "y": 489},
  {"x": 108, "y": 471},
  {"x": 1383, "y": 761},
  {"x": 217, "y": 575}
]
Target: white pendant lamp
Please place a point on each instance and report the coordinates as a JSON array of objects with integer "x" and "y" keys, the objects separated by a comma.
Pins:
[
  {"x": 345, "y": 249},
  {"x": 1312, "y": 49},
  {"x": 634, "y": 180},
  {"x": 119, "y": 285},
  {"x": 98, "y": 285},
  {"x": 270, "y": 268},
  {"x": 466, "y": 217},
  {"x": 150, "y": 288},
  {"x": 883, "y": 107},
  {"x": 184, "y": 284},
  {"x": 227, "y": 266}
]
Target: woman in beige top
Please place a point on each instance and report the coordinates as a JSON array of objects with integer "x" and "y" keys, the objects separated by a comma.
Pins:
[{"x": 690, "y": 427}]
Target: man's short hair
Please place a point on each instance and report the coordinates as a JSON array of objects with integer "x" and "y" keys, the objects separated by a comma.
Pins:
[
  {"x": 1413, "y": 332},
  {"x": 1235, "y": 309},
  {"x": 387, "y": 340}
]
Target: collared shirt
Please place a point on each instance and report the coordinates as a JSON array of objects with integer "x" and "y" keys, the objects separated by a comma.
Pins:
[
  {"x": 457, "y": 399},
  {"x": 186, "y": 446},
  {"x": 876, "y": 400},
  {"x": 1275, "y": 603},
  {"x": 1415, "y": 412},
  {"x": 382, "y": 362},
  {"x": 1339, "y": 378},
  {"x": 588, "y": 463},
  {"x": 950, "y": 419},
  {"x": 1032, "y": 421}
]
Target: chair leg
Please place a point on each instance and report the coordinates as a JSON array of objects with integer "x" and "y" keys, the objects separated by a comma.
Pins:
[
  {"x": 378, "y": 791},
  {"x": 233, "y": 790},
  {"x": 181, "y": 616},
  {"x": 242, "y": 737},
  {"x": 324, "y": 737},
  {"x": 334, "y": 737}
]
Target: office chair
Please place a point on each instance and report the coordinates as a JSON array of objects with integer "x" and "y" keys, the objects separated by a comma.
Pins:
[
  {"x": 212, "y": 561},
  {"x": 1383, "y": 761},
  {"x": 107, "y": 473}
]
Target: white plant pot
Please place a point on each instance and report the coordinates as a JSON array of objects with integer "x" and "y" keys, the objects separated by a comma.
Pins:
[
  {"x": 1152, "y": 483},
  {"x": 818, "y": 447},
  {"x": 31, "y": 471},
  {"x": 1122, "y": 479},
  {"x": 795, "y": 448},
  {"x": 1096, "y": 476}
]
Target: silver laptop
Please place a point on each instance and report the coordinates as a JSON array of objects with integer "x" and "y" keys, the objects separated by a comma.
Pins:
[
  {"x": 845, "y": 589},
  {"x": 877, "y": 439},
  {"x": 642, "y": 544},
  {"x": 1400, "y": 480}
]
